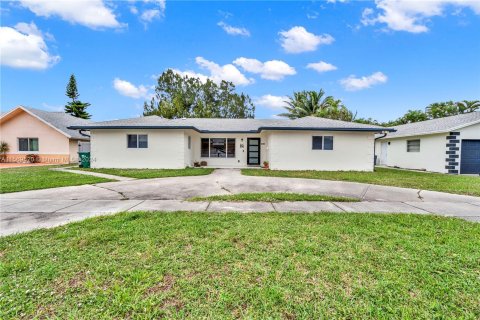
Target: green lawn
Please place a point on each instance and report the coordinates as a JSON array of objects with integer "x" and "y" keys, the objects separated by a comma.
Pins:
[
  {"x": 273, "y": 197},
  {"x": 388, "y": 177},
  {"x": 146, "y": 265},
  {"x": 32, "y": 178},
  {"x": 152, "y": 173}
]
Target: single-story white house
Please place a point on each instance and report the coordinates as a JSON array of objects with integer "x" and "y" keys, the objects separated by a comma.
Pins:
[
  {"x": 446, "y": 145},
  {"x": 308, "y": 143}
]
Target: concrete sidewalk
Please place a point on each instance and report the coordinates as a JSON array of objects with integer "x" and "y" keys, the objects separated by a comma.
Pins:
[
  {"x": 23, "y": 215},
  {"x": 22, "y": 211},
  {"x": 95, "y": 174}
]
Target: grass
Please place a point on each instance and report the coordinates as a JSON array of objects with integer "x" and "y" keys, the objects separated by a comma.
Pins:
[
  {"x": 273, "y": 197},
  {"x": 41, "y": 177},
  {"x": 388, "y": 177},
  {"x": 152, "y": 173},
  {"x": 145, "y": 265}
]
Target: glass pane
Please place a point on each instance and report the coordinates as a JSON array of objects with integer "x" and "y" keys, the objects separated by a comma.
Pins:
[
  {"x": 189, "y": 142},
  {"x": 34, "y": 144},
  {"x": 328, "y": 143},
  {"x": 253, "y": 148},
  {"x": 142, "y": 141},
  {"x": 413, "y": 145},
  {"x": 253, "y": 154},
  {"x": 22, "y": 144},
  {"x": 317, "y": 143},
  {"x": 204, "y": 148},
  {"x": 253, "y": 142},
  {"x": 230, "y": 148},
  {"x": 217, "y": 148},
  {"x": 253, "y": 160},
  {"x": 132, "y": 141}
]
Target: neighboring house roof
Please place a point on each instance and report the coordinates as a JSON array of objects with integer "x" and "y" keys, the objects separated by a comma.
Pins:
[
  {"x": 206, "y": 125},
  {"x": 433, "y": 126},
  {"x": 59, "y": 121}
]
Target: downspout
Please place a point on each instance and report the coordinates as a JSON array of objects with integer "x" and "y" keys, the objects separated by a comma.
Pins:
[
  {"x": 81, "y": 131},
  {"x": 374, "y": 147}
]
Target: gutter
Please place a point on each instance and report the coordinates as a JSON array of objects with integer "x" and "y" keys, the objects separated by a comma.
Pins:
[
  {"x": 260, "y": 129},
  {"x": 83, "y": 134}
]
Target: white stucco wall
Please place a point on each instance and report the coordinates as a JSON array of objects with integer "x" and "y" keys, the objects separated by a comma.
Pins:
[
  {"x": 470, "y": 132},
  {"x": 292, "y": 150},
  {"x": 431, "y": 156},
  {"x": 165, "y": 149}
]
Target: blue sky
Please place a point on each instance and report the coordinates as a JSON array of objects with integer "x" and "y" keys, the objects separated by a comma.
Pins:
[{"x": 381, "y": 58}]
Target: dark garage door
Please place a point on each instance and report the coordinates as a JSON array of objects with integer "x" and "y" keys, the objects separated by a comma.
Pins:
[{"x": 470, "y": 158}]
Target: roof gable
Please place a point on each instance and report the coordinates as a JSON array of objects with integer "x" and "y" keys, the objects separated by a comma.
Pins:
[
  {"x": 433, "y": 126},
  {"x": 59, "y": 121}
]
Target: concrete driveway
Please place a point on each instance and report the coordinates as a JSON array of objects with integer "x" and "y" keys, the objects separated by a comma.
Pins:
[{"x": 27, "y": 210}]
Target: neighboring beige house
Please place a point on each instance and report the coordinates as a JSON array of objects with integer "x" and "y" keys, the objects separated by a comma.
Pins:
[
  {"x": 33, "y": 131},
  {"x": 308, "y": 143},
  {"x": 446, "y": 145}
]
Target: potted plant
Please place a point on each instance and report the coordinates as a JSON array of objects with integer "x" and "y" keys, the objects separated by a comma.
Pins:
[
  {"x": 266, "y": 165},
  {"x": 4, "y": 148},
  {"x": 196, "y": 164}
]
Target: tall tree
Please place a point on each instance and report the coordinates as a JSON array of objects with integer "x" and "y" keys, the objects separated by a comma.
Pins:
[
  {"x": 466, "y": 106},
  {"x": 313, "y": 103},
  {"x": 306, "y": 103},
  {"x": 179, "y": 96},
  {"x": 72, "y": 91},
  {"x": 75, "y": 107}
]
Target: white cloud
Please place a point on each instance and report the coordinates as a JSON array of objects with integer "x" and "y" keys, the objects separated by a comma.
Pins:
[
  {"x": 271, "y": 101},
  {"x": 150, "y": 10},
  {"x": 298, "y": 39},
  {"x": 411, "y": 16},
  {"x": 226, "y": 72},
  {"x": 270, "y": 70},
  {"x": 352, "y": 83},
  {"x": 24, "y": 47},
  {"x": 234, "y": 31},
  {"x": 191, "y": 74},
  {"x": 321, "y": 66},
  {"x": 128, "y": 89},
  {"x": 90, "y": 13}
]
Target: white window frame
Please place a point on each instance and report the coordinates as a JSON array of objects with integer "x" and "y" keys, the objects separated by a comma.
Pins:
[
  {"x": 409, "y": 147},
  {"x": 138, "y": 140},
  {"x": 323, "y": 143},
  {"x": 28, "y": 143}
]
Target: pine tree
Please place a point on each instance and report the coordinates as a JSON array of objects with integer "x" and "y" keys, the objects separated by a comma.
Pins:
[
  {"x": 76, "y": 107},
  {"x": 72, "y": 91}
]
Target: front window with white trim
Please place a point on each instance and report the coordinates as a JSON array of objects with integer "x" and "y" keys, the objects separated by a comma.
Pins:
[
  {"x": 135, "y": 141},
  {"x": 413, "y": 145},
  {"x": 28, "y": 144}
]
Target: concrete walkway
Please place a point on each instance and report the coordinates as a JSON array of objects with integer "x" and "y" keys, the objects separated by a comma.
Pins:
[
  {"x": 28, "y": 210},
  {"x": 95, "y": 174}
]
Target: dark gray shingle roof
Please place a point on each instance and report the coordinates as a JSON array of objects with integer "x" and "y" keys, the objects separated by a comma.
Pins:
[
  {"x": 232, "y": 125},
  {"x": 439, "y": 125}
]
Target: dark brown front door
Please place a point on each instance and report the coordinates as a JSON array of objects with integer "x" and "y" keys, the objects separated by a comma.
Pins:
[{"x": 253, "y": 151}]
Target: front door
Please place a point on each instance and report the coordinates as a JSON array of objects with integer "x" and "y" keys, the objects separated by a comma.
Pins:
[{"x": 253, "y": 151}]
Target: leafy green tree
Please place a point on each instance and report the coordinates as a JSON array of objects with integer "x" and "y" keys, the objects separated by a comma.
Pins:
[
  {"x": 368, "y": 121},
  {"x": 336, "y": 110},
  {"x": 441, "y": 109},
  {"x": 75, "y": 108},
  {"x": 179, "y": 96}
]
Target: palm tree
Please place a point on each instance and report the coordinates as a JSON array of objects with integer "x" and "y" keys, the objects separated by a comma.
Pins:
[
  {"x": 466, "y": 106},
  {"x": 306, "y": 103},
  {"x": 336, "y": 110}
]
